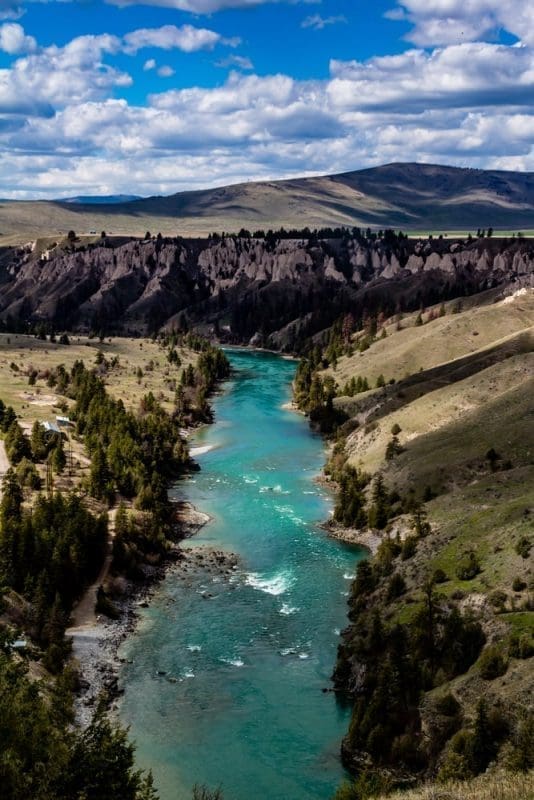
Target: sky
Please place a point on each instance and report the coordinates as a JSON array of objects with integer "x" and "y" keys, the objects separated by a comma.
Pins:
[{"x": 153, "y": 97}]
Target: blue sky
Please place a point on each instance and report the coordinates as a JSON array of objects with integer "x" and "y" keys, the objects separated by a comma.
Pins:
[{"x": 162, "y": 95}]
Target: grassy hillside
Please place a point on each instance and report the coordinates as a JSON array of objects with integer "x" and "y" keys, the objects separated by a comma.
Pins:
[
  {"x": 498, "y": 786},
  {"x": 417, "y": 197},
  {"x": 435, "y": 466}
]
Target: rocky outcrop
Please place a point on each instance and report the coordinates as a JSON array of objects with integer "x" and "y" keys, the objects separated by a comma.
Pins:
[{"x": 273, "y": 290}]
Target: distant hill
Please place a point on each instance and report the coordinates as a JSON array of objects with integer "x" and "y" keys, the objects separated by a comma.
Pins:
[
  {"x": 417, "y": 197},
  {"x": 99, "y": 200}
]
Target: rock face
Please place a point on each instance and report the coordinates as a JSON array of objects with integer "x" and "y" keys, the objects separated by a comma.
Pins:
[{"x": 273, "y": 291}]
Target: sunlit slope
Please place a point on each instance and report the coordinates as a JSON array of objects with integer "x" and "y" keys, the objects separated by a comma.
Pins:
[
  {"x": 409, "y": 348},
  {"x": 410, "y": 196}
]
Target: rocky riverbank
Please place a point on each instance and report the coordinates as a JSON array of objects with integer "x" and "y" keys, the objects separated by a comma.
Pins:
[
  {"x": 366, "y": 538},
  {"x": 95, "y": 647}
]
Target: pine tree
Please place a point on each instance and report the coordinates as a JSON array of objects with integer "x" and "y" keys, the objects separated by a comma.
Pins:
[
  {"x": 38, "y": 442},
  {"x": 379, "y": 511}
]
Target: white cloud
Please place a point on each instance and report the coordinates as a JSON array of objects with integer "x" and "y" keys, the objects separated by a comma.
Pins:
[
  {"x": 63, "y": 131},
  {"x": 317, "y": 22},
  {"x": 59, "y": 76},
  {"x": 471, "y": 75},
  {"x": 10, "y": 9},
  {"x": 169, "y": 37},
  {"x": 204, "y": 6},
  {"x": 240, "y": 62},
  {"x": 449, "y": 21},
  {"x": 150, "y": 64},
  {"x": 165, "y": 71},
  {"x": 14, "y": 41}
]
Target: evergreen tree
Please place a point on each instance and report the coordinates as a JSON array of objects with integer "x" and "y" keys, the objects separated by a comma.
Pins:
[
  {"x": 38, "y": 442},
  {"x": 380, "y": 508}
]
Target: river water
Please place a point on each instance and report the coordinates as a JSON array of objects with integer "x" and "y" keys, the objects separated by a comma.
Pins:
[{"x": 246, "y": 655}]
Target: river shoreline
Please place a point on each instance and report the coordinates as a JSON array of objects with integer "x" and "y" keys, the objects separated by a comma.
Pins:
[
  {"x": 367, "y": 539},
  {"x": 95, "y": 646}
]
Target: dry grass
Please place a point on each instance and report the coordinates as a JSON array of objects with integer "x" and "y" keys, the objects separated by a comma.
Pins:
[
  {"x": 40, "y": 402},
  {"x": 461, "y": 395},
  {"x": 415, "y": 348},
  {"x": 500, "y": 388},
  {"x": 496, "y": 786}
]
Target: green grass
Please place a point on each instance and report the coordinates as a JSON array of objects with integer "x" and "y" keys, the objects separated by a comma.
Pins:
[{"x": 520, "y": 622}]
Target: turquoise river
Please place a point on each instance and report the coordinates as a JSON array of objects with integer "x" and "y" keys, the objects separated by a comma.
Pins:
[{"x": 246, "y": 655}]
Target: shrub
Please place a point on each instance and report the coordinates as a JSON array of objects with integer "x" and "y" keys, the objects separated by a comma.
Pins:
[
  {"x": 393, "y": 448},
  {"x": 519, "y": 584},
  {"x": 396, "y": 587},
  {"x": 366, "y": 785},
  {"x": 468, "y": 568},
  {"x": 448, "y": 705},
  {"x": 492, "y": 664},
  {"x": 498, "y": 599},
  {"x": 439, "y": 576},
  {"x": 521, "y": 646},
  {"x": 455, "y": 768},
  {"x": 409, "y": 547},
  {"x": 28, "y": 475},
  {"x": 523, "y": 547},
  {"x": 396, "y": 429},
  {"x": 521, "y": 754}
]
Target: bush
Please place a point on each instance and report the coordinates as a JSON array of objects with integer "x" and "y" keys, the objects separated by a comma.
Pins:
[
  {"x": 519, "y": 584},
  {"x": 498, "y": 599},
  {"x": 468, "y": 568},
  {"x": 28, "y": 475},
  {"x": 521, "y": 646},
  {"x": 520, "y": 757},
  {"x": 447, "y": 705},
  {"x": 439, "y": 576},
  {"x": 396, "y": 587},
  {"x": 523, "y": 547},
  {"x": 409, "y": 547},
  {"x": 492, "y": 664},
  {"x": 396, "y": 429},
  {"x": 393, "y": 448},
  {"x": 367, "y": 784}
]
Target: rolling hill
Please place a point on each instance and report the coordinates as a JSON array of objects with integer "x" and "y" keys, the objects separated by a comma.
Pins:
[{"x": 417, "y": 197}]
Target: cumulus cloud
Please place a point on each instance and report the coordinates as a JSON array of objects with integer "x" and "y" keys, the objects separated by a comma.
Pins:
[
  {"x": 170, "y": 37},
  {"x": 317, "y": 22},
  {"x": 438, "y": 22},
  {"x": 165, "y": 71},
  {"x": 14, "y": 41},
  {"x": 460, "y": 76},
  {"x": 56, "y": 76},
  {"x": 64, "y": 130}
]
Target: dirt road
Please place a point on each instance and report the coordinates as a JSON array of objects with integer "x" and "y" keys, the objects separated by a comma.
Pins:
[{"x": 4, "y": 464}]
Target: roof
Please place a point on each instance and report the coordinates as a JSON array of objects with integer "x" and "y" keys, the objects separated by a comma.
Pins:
[{"x": 51, "y": 427}]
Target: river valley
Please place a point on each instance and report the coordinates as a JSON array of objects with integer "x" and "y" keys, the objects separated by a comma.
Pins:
[{"x": 228, "y": 667}]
